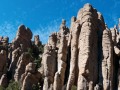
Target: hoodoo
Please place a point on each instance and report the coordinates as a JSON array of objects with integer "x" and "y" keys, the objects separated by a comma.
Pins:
[{"x": 83, "y": 57}]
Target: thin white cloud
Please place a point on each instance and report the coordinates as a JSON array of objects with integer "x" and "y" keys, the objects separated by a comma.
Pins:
[
  {"x": 7, "y": 29},
  {"x": 44, "y": 32}
]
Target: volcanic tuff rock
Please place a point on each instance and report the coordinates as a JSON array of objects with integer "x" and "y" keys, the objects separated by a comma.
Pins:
[
  {"x": 18, "y": 55},
  {"x": 37, "y": 40},
  {"x": 24, "y": 59},
  {"x": 30, "y": 77},
  {"x": 84, "y": 56},
  {"x": 23, "y": 38},
  {"x": 4, "y": 80},
  {"x": 3, "y": 62}
]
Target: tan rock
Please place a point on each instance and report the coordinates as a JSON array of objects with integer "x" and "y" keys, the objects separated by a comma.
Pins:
[
  {"x": 4, "y": 81},
  {"x": 3, "y": 62},
  {"x": 74, "y": 54},
  {"x": 62, "y": 56},
  {"x": 114, "y": 35},
  {"x": 49, "y": 64},
  {"x": 107, "y": 60},
  {"x": 37, "y": 40},
  {"x": 30, "y": 77},
  {"x": 15, "y": 56},
  {"x": 31, "y": 67},
  {"x": 52, "y": 40},
  {"x": 28, "y": 81},
  {"x": 63, "y": 28},
  {"x": 23, "y": 37},
  {"x": 87, "y": 48},
  {"x": 24, "y": 59}
]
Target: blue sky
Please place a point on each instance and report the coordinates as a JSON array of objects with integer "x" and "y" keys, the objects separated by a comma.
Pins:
[{"x": 44, "y": 16}]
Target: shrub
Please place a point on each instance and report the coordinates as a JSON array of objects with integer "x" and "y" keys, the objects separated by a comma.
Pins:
[
  {"x": 74, "y": 87},
  {"x": 13, "y": 86}
]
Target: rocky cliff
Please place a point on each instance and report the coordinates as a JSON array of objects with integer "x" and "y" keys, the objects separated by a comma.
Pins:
[{"x": 82, "y": 57}]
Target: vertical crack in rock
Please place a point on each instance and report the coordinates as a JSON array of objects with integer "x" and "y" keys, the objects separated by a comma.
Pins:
[
  {"x": 75, "y": 30},
  {"x": 87, "y": 59},
  {"x": 107, "y": 59},
  {"x": 84, "y": 57},
  {"x": 61, "y": 60}
]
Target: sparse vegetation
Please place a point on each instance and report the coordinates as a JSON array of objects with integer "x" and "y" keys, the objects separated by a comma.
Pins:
[
  {"x": 36, "y": 87},
  {"x": 13, "y": 86},
  {"x": 2, "y": 88},
  {"x": 74, "y": 87},
  {"x": 35, "y": 53}
]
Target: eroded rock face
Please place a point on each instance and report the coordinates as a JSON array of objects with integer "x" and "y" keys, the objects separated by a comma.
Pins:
[
  {"x": 52, "y": 40},
  {"x": 86, "y": 56},
  {"x": 24, "y": 59},
  {"x": 3, "y": 62},
  {"x": 75, "y": 31},
  {"x": 107, "y": 69},
  {"x": 30, "y": 77},
  {"x": 63, "y": 28},
  {"x": 62, "y": 57},
  {"x": 88, "y": 53},
  {"x": 49, "y": 65},
  {"x": 117, "y": 52},
  {"x": 87, "y": 46},
  {"x": 4, "y": 81},
  {"x": 15, "y": 56},
  {"x": 37, "y": 40},
  {"x": 114, "y": 35},
  {"x": 23, "y": 38},
  {"x": 20, "y": 44}
]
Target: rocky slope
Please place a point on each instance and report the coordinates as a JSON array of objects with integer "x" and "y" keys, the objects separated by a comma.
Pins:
[{"x": 82, "y": 57}]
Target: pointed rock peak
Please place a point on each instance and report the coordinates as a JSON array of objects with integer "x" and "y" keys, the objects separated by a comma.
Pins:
[
  {"x": 88, "y": 4},
  {"x": 63, "y": 22},
  {"x": 99, "y": 13},
  {"x": 106, "y": 26},
  {"x": 21, "y": 27},
  {"x": 115, "y": 27},
  {"x": 73, "y": 19},
  {"x": 100, "y": 16},
  {"x": 88, "y": 7},
  {"x": 24, "y": 32}
]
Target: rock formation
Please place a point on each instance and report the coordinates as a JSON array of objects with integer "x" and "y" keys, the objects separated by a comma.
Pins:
[
  {"x": 83, "y": 57},
  {"x": 85, "y": 54},
  {"x": 18, "y": 55},
  {"x": 49, "y": 65},
  {"x": 4, "y": 80},
  {"x": 30, "y": 77},
  {"x": 107, "y": 59},
  {"x": 3, "y": 62},
  {"x": 37, "y": 40},
  {"x": 75, "y": 31},
  {"x": 24, "y": 59},
  {"x": 87, "y": 48}
]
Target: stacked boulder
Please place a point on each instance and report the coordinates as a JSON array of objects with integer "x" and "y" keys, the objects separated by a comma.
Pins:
[{"x": 30, "y": 77}]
